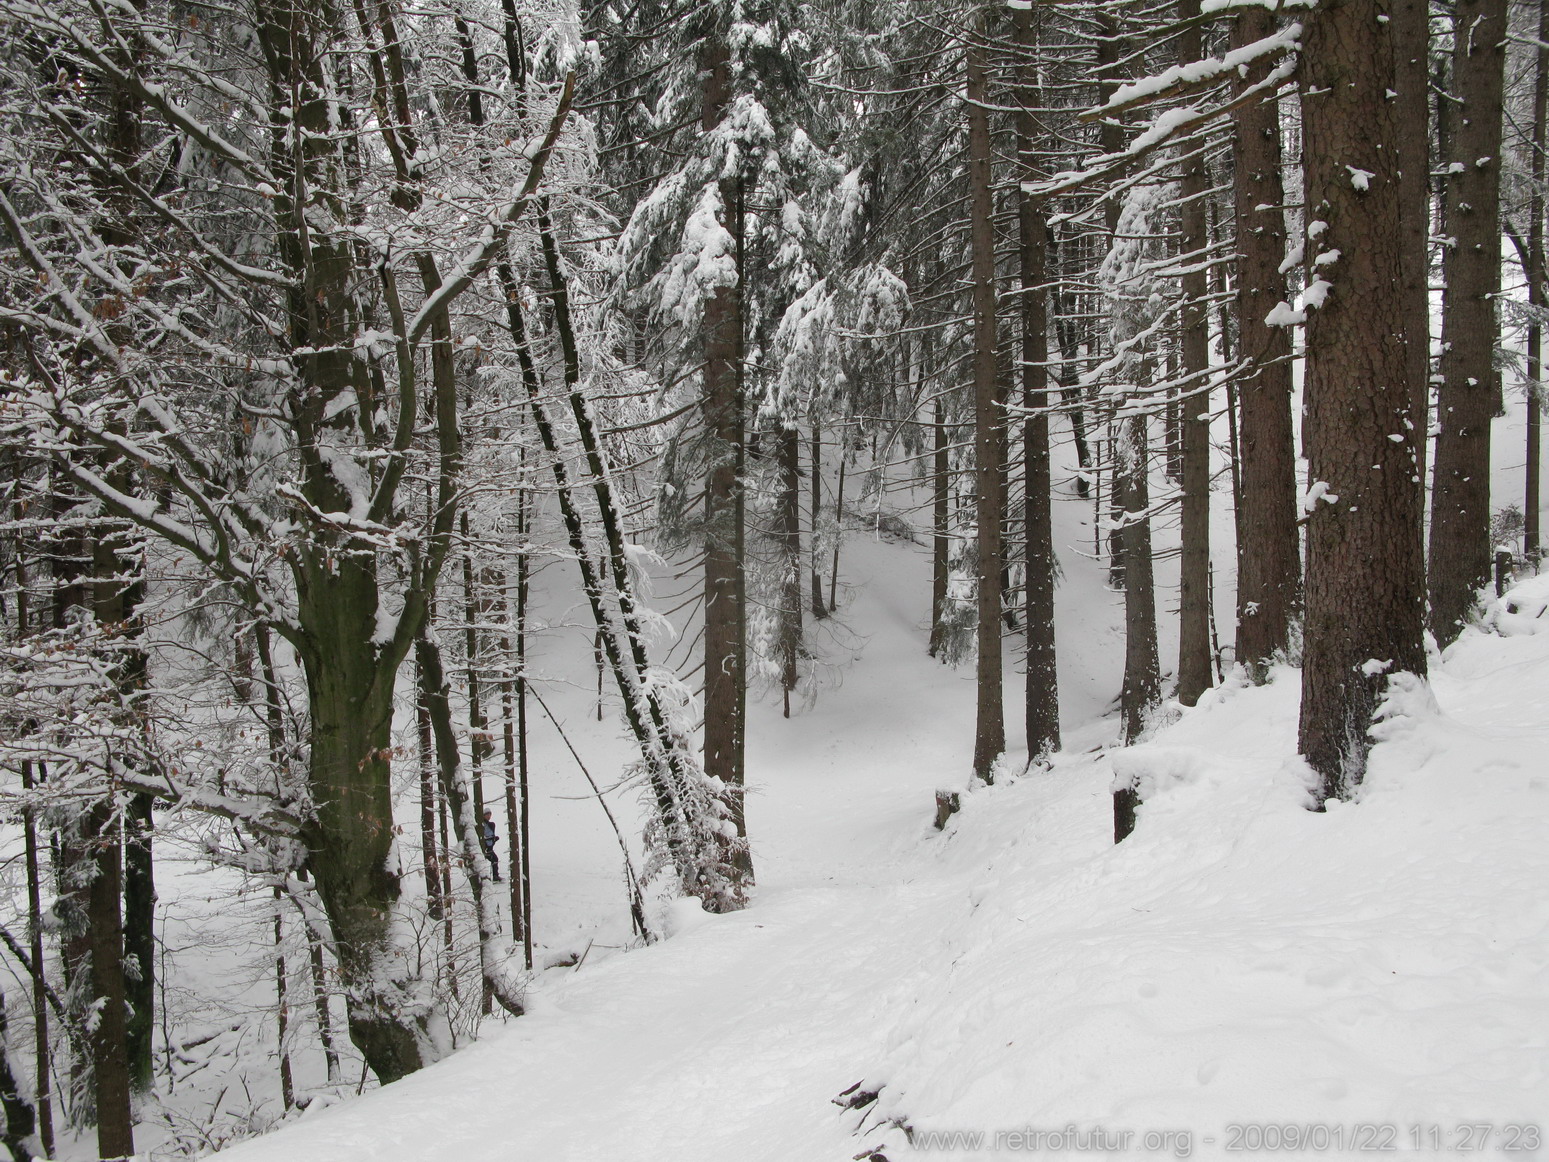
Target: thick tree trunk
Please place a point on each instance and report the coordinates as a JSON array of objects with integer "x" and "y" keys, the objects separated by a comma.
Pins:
[
  {"x": 1194, "y": 407},
  {"x": 350, "y": 840},
  {"x": 1460, "y": 548},
  {"x": 1042, "y": 700},
  {"x": 725, "y": 612},
  {"x": 989, "y": 419},
  {"x": 1365, "y": 572},
  {"x": 1268, "y": 547},
  {"x": 107, "y": 1034}
]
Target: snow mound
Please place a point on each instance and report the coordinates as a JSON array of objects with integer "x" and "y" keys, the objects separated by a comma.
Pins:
[{"x": 1524, "y": 608}]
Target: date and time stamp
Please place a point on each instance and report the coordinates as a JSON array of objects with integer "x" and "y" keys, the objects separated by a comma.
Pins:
[{"x": 1524, "y": 1138}]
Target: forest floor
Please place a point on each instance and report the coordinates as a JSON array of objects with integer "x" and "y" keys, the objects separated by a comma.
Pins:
[{"x": 1373, "y": 976}]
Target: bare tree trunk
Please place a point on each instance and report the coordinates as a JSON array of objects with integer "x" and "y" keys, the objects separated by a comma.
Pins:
[
  {"x": 1536, "y": 297},
  {"x": 1365, "y": 571},
  {"x": 513, "y": 694},
  {"x": 787, "y": 532},
  {"x": 819, "y": 607},
  {"x": 108, "y": 1031},
  {"x": 1460, "y": 548},
  {"x": 478, "y": 724},
  {"x": 989, "y": 418},
  {"x": 282, "y": 1008},
  {"x": 725, "y": 613},
  {"x": 1132, "y": 496},
  {"x": 1412, "y": 35},
  {"x": 1194, "y": 406},
  {"x": 833, "y": 572},
  {"x": 500, "y": 983},
  {"x": 140, "y": 942},
  {"x": 41, "y": 1057},
  {"x": 1042, "y": 700},
  {"x": 427, "y": 771},
  {"x": 1268, "y": 547},
  {"x": 941, "y": 546}
]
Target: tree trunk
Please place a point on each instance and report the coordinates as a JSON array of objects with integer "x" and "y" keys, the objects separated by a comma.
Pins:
[
  {"x": 1042, "y": 700},
  {"x": 1411, "y": 29},
  {"x": 42, "y": 1057},
  {"x": 108, "y": 1031},
  {"x": 1268, "y": 548},
  {"x": 1365, "y": 571},
  {"x": 725, "y": 614},
  {"x": 140, "y": 942},
  {"x": 1194, "y": 406},
  {"x": 941, "y": 543},
  {"x": 1132, "y": 496},
  {"x": 1460, "y": 549},
  {"x": 787, "y": 533},
  {"x": 1536, "y": 297},
  {"x": 350, "y": 839},
  {"x": 282, "y": 1008},
  {"x": 989, "y": 418},
  {"x": 819, "y": 606},
  {"x": 500, "y": 982}
]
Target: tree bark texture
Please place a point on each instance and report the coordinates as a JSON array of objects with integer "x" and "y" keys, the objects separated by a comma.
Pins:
[
  {"x": 1532, "y": 495},
  {"x": 725, "y": 614},
  {"x": 1042, "y": 704},
  {"x": 1268, "y": 550},
  {"x": 1460, "y": 548},
  {"x": 1194, "y": 599},
  {"x": 1365, "y": 571},
  {"x": 989, "y": 419}
]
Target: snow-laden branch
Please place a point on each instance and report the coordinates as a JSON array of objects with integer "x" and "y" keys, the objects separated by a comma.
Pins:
[{"x": 494, "y": 234}]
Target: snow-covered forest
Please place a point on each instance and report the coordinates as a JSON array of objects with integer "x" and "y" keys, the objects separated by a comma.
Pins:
[{"x": 793, "y": 581}]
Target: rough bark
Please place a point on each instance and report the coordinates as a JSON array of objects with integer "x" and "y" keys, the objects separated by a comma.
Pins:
[
  {"x": 1268, "y": 547},
  {"x": 725, "y": 612},
  {"x": 1042, "y": 704},
  {"x": 1460, "y": 548},
  {"x": 1365, "y": 574},
  {"x": 1411, "y": 29},
  {"x": 108, "y": 1033},
  {"x": 989, "y": 419},
  {"x": 1194, "y": 406}
]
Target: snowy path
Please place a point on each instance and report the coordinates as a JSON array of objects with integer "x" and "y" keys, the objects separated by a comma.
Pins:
[
  {"x": 1237, "y": 960},
  {"x": 702, "y": 1047}
]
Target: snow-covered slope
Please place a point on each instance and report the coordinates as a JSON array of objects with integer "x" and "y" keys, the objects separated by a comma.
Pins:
[{"x": 1239, "y": 960}]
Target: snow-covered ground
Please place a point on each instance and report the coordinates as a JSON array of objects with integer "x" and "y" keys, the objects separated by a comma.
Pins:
[{"x": 1377, "y": 975}]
